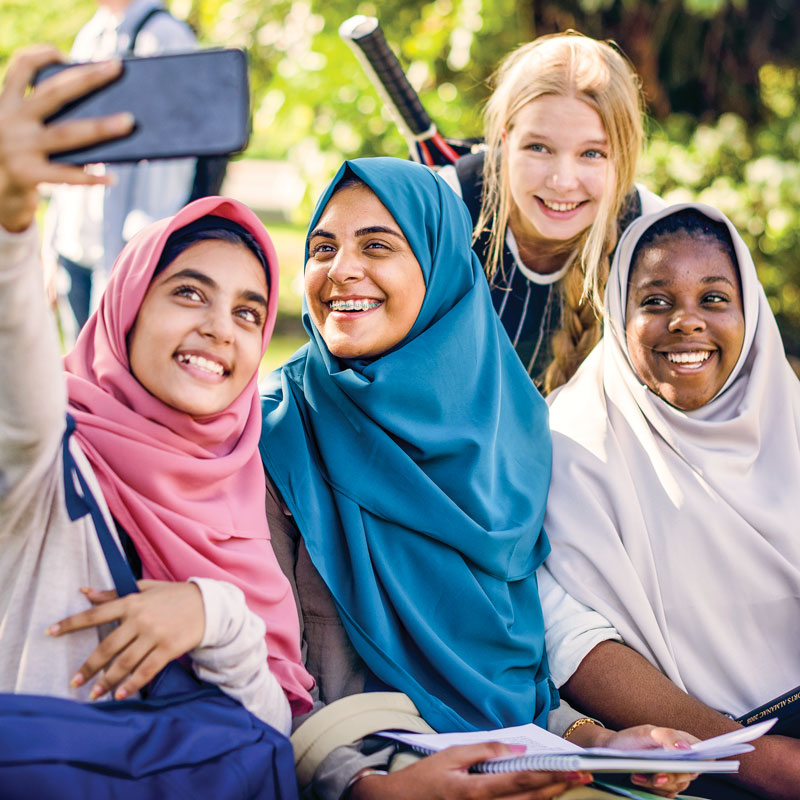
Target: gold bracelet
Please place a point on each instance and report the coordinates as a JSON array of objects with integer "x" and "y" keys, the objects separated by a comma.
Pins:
[{"x": 578, "y": 722}]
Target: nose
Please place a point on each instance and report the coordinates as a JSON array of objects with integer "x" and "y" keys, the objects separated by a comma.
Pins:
[
  {"x": 686, "y": 320},
  {"x": 217, "y": 324},
  {"x": 346, "y": 267},
  {"x": 563, "y": 175}
]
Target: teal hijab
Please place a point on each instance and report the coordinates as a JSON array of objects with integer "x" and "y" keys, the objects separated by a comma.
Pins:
[{"x": 418, "y": 479}]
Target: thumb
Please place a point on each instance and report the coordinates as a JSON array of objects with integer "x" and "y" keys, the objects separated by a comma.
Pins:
[{"x": 466, "y": 755}]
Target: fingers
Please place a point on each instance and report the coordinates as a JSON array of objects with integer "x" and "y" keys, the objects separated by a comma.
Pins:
[
  {"x": 664, "y": 784},
  {"x": 63, "y": 136},
  {"x": 70, "y": 84},
  {"x": 117, "y": 641},
  {"x": 96, "y": 598},
  {"x": 24, "y": 65},
  {"x": 92, "y": 617},
  {"x": 669, "y": 737}
]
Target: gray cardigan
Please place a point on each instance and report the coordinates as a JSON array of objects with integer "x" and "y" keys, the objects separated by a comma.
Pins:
[{"x": 332, "y": 660}]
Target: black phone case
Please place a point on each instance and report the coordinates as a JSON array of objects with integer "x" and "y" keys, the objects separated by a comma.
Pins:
[{"x": 185, "y": 104}]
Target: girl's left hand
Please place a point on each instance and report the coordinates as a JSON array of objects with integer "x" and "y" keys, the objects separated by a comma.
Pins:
[
  {"x": 161, "y": 622},
  {"x": 642, "y": 737}
]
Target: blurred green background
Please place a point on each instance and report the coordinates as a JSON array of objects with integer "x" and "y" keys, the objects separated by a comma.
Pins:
[{"x": 720, "y": 76}]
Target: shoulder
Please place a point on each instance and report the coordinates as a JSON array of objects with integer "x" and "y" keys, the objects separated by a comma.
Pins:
[
  {"x": 469, "y": 172},
  {"x": 649, "y": 201}
]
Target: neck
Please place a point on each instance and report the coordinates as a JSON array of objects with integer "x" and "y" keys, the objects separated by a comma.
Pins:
[
  {"x": 544, "y": 256},
  {"x": 114, "y": 6}
]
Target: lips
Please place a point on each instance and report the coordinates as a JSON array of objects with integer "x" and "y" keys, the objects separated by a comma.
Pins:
[
  {"x": 353, "y": 304},
  {"x": 689, "y": 359},
  {"x": 561, "y": 207},
  {"x": 204, "y": 363}
]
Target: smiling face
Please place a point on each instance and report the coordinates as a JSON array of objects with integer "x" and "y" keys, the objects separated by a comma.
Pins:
[
  {"x": 684, "y": 321},
  {"x": 364, "y": 286},
  {"x": 197, "y": 339},
  {"x": 557, "y": 154}
]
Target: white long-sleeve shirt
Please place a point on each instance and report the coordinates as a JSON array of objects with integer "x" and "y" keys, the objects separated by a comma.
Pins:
[{"x": 45, "y": 557}]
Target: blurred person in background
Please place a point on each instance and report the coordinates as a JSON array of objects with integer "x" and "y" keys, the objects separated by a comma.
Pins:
[{"x": 86, "y": 227}]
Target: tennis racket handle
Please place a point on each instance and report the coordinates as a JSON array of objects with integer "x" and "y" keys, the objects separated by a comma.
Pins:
[{"x": 365, "y": 34}]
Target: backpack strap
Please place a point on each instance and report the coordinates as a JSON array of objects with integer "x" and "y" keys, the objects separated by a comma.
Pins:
[
  {"x": 140, "y": 25},
  {"x": 80, "y": 501}
]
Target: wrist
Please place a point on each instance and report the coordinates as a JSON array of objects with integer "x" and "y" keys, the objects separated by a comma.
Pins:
[
  {"x": 359, "y": 786},
  {"x": 587, "y": 732}
]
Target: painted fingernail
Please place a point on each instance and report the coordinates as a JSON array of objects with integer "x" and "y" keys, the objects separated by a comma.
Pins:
[
  {"x": 636, "y": 778},
  {"x": 53, "y": 630},
  {"x": 96, "y": 692},
  {"x": 660, "y": 780},
  {"x": 77, "y": 680},
  {"x": 517, "y": 748},
  {"x": 572, "y": 776},
  {"x": 682, "y": 746},
  {"x": 120, "y": 694}
]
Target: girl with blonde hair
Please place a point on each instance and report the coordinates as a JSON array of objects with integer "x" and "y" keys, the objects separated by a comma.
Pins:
[{"x": 553, "y": 191}]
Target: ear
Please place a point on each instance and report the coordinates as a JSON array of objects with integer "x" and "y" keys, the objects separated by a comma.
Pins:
[{"x": 504, "y": 135}]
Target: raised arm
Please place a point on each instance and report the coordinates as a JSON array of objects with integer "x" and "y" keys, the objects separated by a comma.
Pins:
[{"x": 32, "y": 398}]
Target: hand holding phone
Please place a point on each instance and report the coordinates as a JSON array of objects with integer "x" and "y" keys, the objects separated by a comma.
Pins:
[
  {"x": 184, "y": 104},
  {"x": 26, "y": 142}
]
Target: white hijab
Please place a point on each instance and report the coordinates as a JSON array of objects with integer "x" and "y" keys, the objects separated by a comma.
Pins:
[{"x": 683, "y": 528}]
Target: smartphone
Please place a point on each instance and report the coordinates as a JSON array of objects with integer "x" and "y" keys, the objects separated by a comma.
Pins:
[{"x": 184, "y": 104}]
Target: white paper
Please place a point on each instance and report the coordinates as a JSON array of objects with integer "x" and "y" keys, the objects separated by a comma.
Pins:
[{"x": 539, "y": 741}]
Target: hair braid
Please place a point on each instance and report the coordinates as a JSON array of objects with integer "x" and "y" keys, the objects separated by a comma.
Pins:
[{"x": 581, "y": 320}]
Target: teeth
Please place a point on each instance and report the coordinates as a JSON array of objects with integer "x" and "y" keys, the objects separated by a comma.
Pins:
[
  {"x": 560, "y": 206},
  {"x": 353, "y": 305},
  {"x": 201, "y": 363},
  {"x": 695, "y": 357}
]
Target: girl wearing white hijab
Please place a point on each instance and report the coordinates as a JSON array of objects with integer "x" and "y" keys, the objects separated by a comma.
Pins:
[{"x": 675, "y": 496}]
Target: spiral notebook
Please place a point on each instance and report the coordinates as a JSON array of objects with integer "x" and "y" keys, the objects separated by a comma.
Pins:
[{"x": 548, "y": 752}]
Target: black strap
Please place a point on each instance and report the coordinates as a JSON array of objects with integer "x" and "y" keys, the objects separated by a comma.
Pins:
[
  {"x": 83, "y": 502},
  {"x": 142, "y": 22}
]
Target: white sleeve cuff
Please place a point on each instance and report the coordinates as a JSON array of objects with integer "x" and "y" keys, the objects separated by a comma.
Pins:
[{"x": 572, "y": 629}]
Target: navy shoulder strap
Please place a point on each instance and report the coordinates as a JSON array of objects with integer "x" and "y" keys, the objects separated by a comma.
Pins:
[
  {"x": 80, "y": 502},
  {"x": 142, "y": 22}
]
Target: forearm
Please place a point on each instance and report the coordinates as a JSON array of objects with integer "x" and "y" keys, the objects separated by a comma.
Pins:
[
  {"x": 233, "y": 654},
  {"x": 621, "y": 688},
  {"x": 32, "y": 394}
]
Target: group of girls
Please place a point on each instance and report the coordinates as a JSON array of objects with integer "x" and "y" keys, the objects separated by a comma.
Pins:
[{"x": 404, "y": 577}]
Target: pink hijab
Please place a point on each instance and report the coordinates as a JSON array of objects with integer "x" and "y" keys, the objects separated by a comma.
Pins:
[{"x": 190, "y": 492}]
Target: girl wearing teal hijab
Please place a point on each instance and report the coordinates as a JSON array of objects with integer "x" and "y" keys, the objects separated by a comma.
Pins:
[
  {"x": 413, "y": 454},
  {"x": 432, "y": 501}
]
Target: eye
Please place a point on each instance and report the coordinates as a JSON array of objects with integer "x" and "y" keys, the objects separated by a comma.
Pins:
[
  {"x": 715, "y": 298},
  {"x": 321, "y": 249},
  {"x": 536, "y": 147},
  {"x": 249, "y": 315},
  {"x": 595, "y": 154},
  {"x": 655, "y": 302},
  {"x": 189, "y": 293}
]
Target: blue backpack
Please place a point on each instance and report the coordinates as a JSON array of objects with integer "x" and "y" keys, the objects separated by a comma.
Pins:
[{"x": 184, "y": 739}]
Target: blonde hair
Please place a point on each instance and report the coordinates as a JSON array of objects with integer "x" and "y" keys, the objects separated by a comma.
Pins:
[{"x": 567, "y": 65}]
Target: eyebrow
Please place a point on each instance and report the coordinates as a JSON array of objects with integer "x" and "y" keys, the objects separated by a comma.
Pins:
[
  {"x": 658, "y": 282},
  {"x": 543, "y": 137},
  {"x": 201, "y": 277},
  {"x": 360, "y": 232}
]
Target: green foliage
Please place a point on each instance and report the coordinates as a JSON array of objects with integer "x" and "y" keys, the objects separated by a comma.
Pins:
[{"x": 753, "y": 175}]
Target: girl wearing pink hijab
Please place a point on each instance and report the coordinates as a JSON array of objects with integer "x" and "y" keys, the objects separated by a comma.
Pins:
[{"x": 162, "y": 387}]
